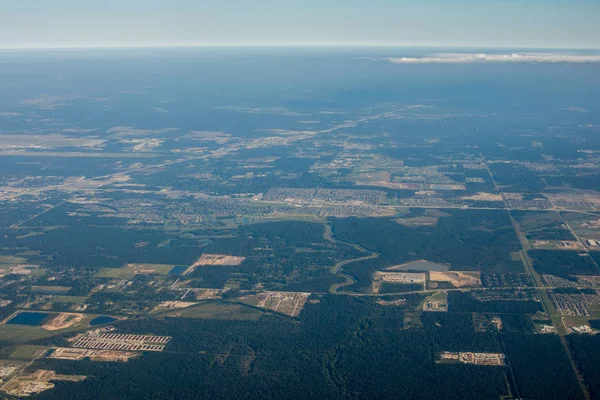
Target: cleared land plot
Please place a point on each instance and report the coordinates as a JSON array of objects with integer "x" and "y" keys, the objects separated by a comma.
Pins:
[
  {"x": 12, "y": 260},
  {"x": 63, "y": 321},
  {"x": 215, "y": 260},
  {"x": 120, "y": 341},
  {"x": 488, "y": 359},
  {"x": 437, "y": 302},
  {"x": 51, "y": 289},
  {"x": 172, "y": 305},
  {"x": 418, "y": 221},
  {"x": 66, "y": 353},
  {"x": 456, "y": 278},
  {"x": 228, "y": 311},
  {"x": 70, "y": 299},
  {"x": 20, "y": 269},
  {"x": 28, "y": 352},
  {"x": 421, "y": 265},
  {"x": 131, "y": 270},
  {"x": 208, "y": 294},
  {"x": 556, "y": 244},
  {"x": 218, "y": 259},
  {"x": 289, "y": 303}
]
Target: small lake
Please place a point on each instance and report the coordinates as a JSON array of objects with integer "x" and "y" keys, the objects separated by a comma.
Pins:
[
  {"x": 178, "y": 270},
  {"x": 101, "y": 320},
  {"x": 28, "y": 318}
]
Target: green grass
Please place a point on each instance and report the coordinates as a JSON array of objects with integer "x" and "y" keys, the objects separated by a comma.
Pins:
[
  {"x": 130, "y": 270},
  {"x": 51, "y": 289},
  {"x": 27, "y": 352},
  {"x": 115, "y": 273},
  {"x": 12, "y": 260},
  {"x": 230, "y": 311},
  {"x": 69, "y": 299},
  {"x": 22, "y": 333},
  {"x": 538, "y": 219},
  {"x": 159, "y": 269}
]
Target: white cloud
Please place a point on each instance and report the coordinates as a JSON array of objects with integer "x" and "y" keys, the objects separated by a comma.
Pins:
[{"x": 464, "y": 58}]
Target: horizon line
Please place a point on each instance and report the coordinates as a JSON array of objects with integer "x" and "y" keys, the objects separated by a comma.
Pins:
[{"x": 282, "y": 45}]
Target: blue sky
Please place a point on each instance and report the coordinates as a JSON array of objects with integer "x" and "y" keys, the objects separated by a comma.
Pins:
[{"x": 481, "y": 23}]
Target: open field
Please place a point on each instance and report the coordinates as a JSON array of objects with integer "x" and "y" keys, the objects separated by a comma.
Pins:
[
  {"x": 208, "y": 294},
  {"x": 63, "y": 321},
  {"x": 69, "y": 299},
  {"x": 172, "y": 305},
  {"x": 456, "y": 278},
  {"x": 51, "y": 289},
  {"x": 211, "y": 310},
  {"x": 420, "y": 265},
  {"x": 130, "y": 270},
  {"x": 218, "y": 259},
  {"x": 11, "y": 260},
  {"x": 28, "y": 352},
  {"x": 19, "y": 269}
]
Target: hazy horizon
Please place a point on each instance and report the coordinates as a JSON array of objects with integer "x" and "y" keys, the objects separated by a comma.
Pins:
[{"x": 156, "y": 23}]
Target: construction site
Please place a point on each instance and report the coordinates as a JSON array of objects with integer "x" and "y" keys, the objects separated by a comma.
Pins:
[
  {"x": 119, "y": 341},
  {"x": 490, "y": 359},
  {"x": 66, "y": 353},
  {"x": 382, "y": 277},
  {"x": 289, "y": 303},
  {"x": 29, "y": 384}
]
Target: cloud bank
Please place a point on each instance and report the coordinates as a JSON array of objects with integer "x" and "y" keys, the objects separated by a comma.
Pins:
[{"x": 465, "y": 58}]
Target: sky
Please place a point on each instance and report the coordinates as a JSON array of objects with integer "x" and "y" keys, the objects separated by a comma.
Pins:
[{"x": 446, "y": 23}]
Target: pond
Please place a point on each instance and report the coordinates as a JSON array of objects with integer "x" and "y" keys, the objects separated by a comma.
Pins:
[{"x": 28, "y": 318}]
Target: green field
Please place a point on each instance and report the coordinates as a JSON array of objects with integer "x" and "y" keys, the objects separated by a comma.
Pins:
[
  {"x": 12, "y": 260},
  {"x": 130, "y": 270},
  {"x": 27, "y": 352},
  {"x": 70, "y": 299},
  {"x": 230, "y": 311}
]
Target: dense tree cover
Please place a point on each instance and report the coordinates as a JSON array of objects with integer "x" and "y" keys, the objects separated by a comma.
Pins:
[
  {"x": 400, "y": 287},
  {"x": 517, "y": 323},
  {"x": 340, "y": 347},
  {"x": 517, "y": 178},
  {"x": 383, "y": 361},
  {"x": 93, "y": 247},
  {"x": 596, "y": 256},
  {"x": 563, "y": 263},
  {"x": 293, "y": 254},
  {"x": 464, "y": 301},
  {"x": 595, "y": 323},
  {"x": 586, "y": 352},
  {"x": 577, "y": 182},
  {"x": 473, "y": 240},
  {"x": 541, "y": 367},
  {"x": 550, "y": 234}
]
